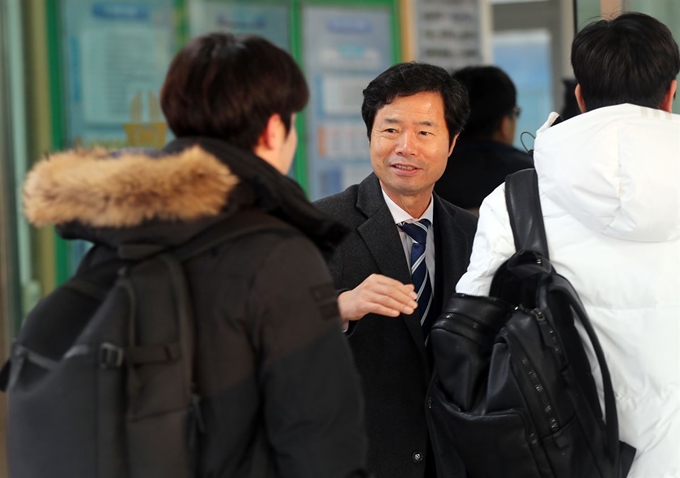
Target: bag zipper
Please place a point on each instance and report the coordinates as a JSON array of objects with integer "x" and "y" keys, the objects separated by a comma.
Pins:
[
  {"x": 548, "y": 334},
  {"x": 530, "y": 371}
]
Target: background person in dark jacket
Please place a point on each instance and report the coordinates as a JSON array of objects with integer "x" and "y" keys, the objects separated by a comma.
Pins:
[
  {"x": 413, "y": 114},
  {"x": 484, "y": 155},
  {"x": 279, "y": 389}
]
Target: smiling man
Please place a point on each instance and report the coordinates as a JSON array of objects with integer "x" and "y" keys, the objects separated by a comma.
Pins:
[{"x": 407, "y": 250}]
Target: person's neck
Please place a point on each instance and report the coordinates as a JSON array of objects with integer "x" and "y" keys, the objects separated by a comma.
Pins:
[
  {"x": 414, "y": 205},
  {"x": 499, "y": 137}
]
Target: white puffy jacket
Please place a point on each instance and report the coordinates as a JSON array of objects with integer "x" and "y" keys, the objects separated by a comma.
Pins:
[{"x": 609, "y": 184}]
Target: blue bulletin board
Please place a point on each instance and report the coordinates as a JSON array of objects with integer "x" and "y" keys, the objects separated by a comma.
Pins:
[
  {"x": 116, "y": 55},
  {"x": 345, "y": 47}
]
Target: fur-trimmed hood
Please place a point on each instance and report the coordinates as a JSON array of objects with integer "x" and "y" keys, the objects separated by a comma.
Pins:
[
  {"x": 165, "y": 196},
  {"x": 99, "y": 189}
]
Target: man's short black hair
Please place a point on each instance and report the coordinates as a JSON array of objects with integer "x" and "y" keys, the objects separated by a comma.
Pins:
[
  {"x": 408, "y": 79},
  {"x": 226, "y": 87},
  {"x": 492, "y": 97},
  {"x": 630, "y": 59}
]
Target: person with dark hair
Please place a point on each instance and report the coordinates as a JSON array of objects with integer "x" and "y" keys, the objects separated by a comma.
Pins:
[
  {"x": 484, "y": 155},
  {"x": 280, "y": 395},
  {"x": 406, "y": 250},
  {"x": 610, "y": 195},
  {"x": 570, "y": 106}
]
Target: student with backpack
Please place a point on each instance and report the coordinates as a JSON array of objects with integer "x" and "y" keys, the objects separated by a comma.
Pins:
[
  {"x": 609, "y": 194},
  {"x": 200, "y": 335}
]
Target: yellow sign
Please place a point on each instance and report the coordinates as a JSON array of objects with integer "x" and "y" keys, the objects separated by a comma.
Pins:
[{"x": 151, "y": 134}]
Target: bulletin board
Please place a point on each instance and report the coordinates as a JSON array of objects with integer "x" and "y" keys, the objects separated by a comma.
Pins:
[
  {"x": 344, "y": 48},
  {"x": 449, "y": 33},
  {"x": 267, "y": 19},
  {"x": 116, "y": 55},
  {"x": 109, "y": 64}
]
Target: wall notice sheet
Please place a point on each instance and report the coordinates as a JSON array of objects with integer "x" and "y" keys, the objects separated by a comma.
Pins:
[
  {"x": 116, "y": 56},
  {"x": 448, "y": 32},
  {"x": 267, "y": 20}
]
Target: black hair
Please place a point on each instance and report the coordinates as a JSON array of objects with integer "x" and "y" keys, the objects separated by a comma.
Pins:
[
  {"x": 226, "y": 87},
  {"x": 630, "y": 59},
  {"x": 492, "y": 97},
  {"x": 570, "y": 106},
  {"x": 408, "y": 79}
]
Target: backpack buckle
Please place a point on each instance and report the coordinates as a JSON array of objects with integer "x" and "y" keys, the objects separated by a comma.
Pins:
[{"x": 110, "y": 356}]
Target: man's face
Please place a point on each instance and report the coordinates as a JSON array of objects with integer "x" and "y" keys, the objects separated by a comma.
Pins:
[{"x": 410, "y": 145}]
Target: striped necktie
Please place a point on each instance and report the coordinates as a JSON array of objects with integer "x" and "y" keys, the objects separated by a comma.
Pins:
[{"x": 417, "y": 231}]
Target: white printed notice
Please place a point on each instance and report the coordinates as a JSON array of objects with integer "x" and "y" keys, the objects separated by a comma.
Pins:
[
  {"x": 448, "y": 32},
  {"x": 116, "y": 65}
]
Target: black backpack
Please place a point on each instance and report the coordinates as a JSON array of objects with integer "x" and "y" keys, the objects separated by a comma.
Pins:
[
  {"x": 100, "y": 378},
  {"x": 513, "y": 395}
]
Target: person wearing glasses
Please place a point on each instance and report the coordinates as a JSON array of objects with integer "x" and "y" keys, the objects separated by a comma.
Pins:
[{"x": 484, "y": 155}]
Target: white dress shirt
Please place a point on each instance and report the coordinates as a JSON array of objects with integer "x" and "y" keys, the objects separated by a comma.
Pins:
[{"x": 399, "y": 216}]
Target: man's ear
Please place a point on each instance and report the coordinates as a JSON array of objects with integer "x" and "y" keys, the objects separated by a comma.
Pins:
[
  {"x": 271, "y": 138},
  {"x": 579, "y": 98},
  {"x": 507, "y": 129},
  {"x": 667, "y": 104},
  {"x": 453, "y": 143}
]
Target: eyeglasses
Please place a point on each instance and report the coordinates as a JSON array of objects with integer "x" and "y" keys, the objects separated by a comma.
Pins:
[{"x": 516, "y": 111}]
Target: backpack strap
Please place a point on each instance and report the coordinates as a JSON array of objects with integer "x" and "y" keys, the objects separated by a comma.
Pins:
[
  {"x": 526, "y": 215},
  {"x": 528, "y": 230},
  {"x": 241, "y": 224}
]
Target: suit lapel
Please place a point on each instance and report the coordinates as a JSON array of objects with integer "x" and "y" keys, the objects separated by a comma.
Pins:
[{"x": 382, "y": 239}]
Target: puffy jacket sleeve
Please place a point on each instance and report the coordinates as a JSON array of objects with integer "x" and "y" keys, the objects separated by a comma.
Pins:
[
  {"x": 313, "y": 408},
  {"x": 492, "y": 246}
]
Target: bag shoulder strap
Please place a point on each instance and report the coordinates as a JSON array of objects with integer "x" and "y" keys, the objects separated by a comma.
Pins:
[
  {"x": 241, "y": 224},
  {"x": 526, "y": 215},
  {"x": 526, "y": 220}
]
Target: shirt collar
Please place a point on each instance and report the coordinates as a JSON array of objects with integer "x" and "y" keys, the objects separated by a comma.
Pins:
[{"x": 399, "y": 215}]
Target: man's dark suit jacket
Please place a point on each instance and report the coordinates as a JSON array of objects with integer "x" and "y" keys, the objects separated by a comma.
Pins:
[{"x": 390, "y": 352}]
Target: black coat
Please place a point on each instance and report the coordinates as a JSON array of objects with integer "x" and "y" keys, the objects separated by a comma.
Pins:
[
  {"x": 390, "y": 352},
  {"x": 476, "y": 168},
  {"x": 276, "y": 376}
]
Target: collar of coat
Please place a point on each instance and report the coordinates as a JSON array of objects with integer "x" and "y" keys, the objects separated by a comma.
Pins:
[{"x": 190, "y": 181}]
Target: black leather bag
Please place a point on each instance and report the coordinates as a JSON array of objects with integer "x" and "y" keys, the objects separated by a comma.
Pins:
[{"x": 512, "y": 394}]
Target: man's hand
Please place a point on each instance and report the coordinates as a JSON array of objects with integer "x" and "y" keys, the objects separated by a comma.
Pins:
[{"x": 378, "y": 294}]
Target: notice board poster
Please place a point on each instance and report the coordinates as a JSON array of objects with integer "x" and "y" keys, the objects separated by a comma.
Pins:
[
  {"x": 448, "y": 32},
  {"x": 267, "y": 20},
  {"x": 344, "y": 49},
  {"x": 116, "y": 55}
]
